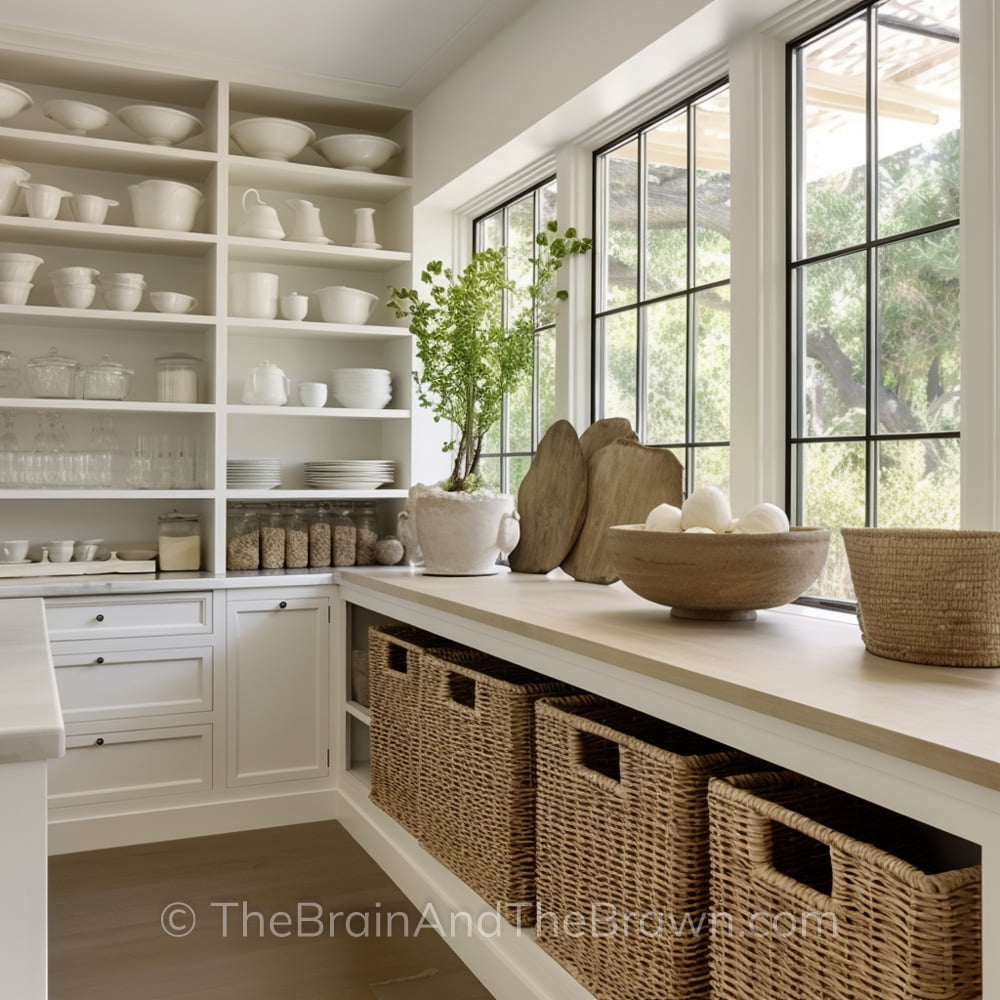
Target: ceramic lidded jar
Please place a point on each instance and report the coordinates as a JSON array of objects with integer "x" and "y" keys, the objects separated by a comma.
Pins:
[{"x": 266, "y": 385}]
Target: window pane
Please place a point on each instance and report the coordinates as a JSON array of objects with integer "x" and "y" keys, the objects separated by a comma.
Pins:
[
  {"x": 833, "y": 141},
  {"x": 712, "y": 189},
  {"x": 833, "y": 298},
  {"x": 711, "y": 467},
  {"x": 711, "y": 365},
  {"x": 666, "y": 187},
  {"x": 621, "y": 256},
  {"x": 666, "y": 371},
  {"x": 918, "y": 114},
  {"x": 516, "y": 471},
  {"x": 547, "y": 204},
  {"x": 919, "y": 335},
  {"x": 620, "y": 346},
  {"x": 489, "y": 472},
  {"x": 546, "y": 376},
  {"x": 520, "y": 245},
  {"x": 519, "y": 418},
  {"x": 918, "y": 484},
  {"x": 489, "y": 232}
]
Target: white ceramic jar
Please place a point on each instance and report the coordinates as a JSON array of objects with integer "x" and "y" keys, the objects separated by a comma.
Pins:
[{"x": 253, "y": 295}]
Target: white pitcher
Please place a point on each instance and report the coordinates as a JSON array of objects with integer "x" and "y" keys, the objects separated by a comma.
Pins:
[
  {"x": 260, "y": 220},
  {"x": 266, "y": 385},
  {"x": 306, "y": 225},
  {"x": 10, "y": 177}
]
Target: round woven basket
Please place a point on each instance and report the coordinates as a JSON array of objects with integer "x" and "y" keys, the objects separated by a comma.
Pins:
[{"x": 928, "y": 595}]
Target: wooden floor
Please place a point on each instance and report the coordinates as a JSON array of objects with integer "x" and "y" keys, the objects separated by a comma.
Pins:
[{"x": 106, "y": 939}]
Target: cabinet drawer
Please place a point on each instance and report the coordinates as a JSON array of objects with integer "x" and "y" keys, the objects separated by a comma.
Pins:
[
  {"x": 118, "y": 683},
  {"x": 144, "y": 614},
  {"x": 104, "y": 767}
]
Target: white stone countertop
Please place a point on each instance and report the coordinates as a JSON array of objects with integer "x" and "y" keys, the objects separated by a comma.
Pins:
[{"x": 31, "y": 724}]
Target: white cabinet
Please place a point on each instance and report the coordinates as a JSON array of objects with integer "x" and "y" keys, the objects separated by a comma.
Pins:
[
  {"x": 278, "y": 663},
  {"x": 190, "y": 442}
]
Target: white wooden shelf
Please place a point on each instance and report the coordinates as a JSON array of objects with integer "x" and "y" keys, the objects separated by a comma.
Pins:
[
  {"x": 247, "y": 248},
  {"x": 306, "y": 329},
  {"x": 358, "y": 711},
  {"x": 314, "y": 412},
  {"x": 84, "y": 236},
  {"x": 54, "y": 493},
  {"x": 316, "y": 180},
  {"x": 278, "y": 494},
  {"x": 103, "y": 319},
  {"x": 106, "y": 405}
]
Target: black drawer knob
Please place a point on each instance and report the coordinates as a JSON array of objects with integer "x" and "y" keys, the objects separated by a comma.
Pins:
[
  {"x": 99, "y": 741},
  {"x": 99, "y": 659},
  {"x": 283, "y": 604},
  {"x": 100, "y": 618}
]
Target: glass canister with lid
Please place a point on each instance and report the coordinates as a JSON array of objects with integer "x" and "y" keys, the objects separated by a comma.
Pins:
[
  {"x": 242, "y": 539},
  {"x": 366, "y": 525},
  {"x": 272, "y": 539},
  {"x": 107, "y": 380},
  {"x": 52, "y": 375},
  {"x": 296, "y": 539},
  {"x": 177, "y": 378},
  {"x": 179, "y": 541},
  {"x": 320, "y": 537},
  {"x": 344, "y": 537}
]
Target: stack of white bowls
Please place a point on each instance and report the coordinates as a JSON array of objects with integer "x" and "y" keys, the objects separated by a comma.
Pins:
[
  {"x": 122, "y": 291},
  {"x": 361, "y": 388},
  {"x": 16, "y": 272},
  {"x": 74, "y": 287}
]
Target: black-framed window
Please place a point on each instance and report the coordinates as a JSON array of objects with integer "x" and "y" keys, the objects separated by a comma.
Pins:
[
  {"x": 661, "y": 283},
  {"x": 874, "y": 273},
  {"x": 527, "y": 413}
]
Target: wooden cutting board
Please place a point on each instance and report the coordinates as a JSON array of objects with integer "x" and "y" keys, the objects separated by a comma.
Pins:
[
  {"x": 625, "y": 481},
  {"x": 604, "y": 432},
  {"x": 552, "y": 501}
]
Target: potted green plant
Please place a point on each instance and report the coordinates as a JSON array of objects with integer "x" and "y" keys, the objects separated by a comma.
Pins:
[{"x": 472, "y": 352}]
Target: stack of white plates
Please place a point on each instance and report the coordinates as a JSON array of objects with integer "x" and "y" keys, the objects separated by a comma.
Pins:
[
  {"x": 361, "y": 388},
  {"x": 253, "y": 473},
  {"x": 349, "y": 474}
]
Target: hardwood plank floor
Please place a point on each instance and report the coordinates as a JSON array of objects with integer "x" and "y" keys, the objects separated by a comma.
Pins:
[{"x": 106, "y": 939}]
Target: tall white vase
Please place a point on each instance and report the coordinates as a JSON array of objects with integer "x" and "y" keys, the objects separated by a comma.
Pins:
[{"x": 364, "y": 229}]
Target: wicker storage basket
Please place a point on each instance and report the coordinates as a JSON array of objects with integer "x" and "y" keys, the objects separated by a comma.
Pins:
[
  {"x": 829, "y": 897},
  {"x": 623, "y": 864},
  {"x": 928, "y": 595},
  {"x": 394, "y": 696},
  {"x": 478, "y": 771}
]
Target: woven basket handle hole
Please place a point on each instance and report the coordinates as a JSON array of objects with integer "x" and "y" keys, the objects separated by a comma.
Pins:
[
  {"x": 598, "y": 754},
  {"x": 397, "y": 659},
  {"x": 798, "y": 857},
  {"x": 462, "y": 690}
]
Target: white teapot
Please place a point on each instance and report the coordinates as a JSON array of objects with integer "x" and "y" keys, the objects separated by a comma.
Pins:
[
  {"x": 260, "y": 220},
  {"x": 266, "y": 385}
]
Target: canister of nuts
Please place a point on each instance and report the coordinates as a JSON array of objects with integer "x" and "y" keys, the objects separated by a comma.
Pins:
[
  {"x": 242, "y": 539},
  {"x": 296, "y": 539},
  {"x": 344, "y": 537},
  {"x": 366, "y": 525},
  {"x": 320, "y": 537},
  {"x": 272, "y": 539}
]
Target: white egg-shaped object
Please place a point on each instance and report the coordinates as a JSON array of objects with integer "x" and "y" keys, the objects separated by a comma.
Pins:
[
  {"x": 699, "y": 530},
  {"x": 665, "y": 517},
  {"x": 762, "y": 518},
  {"x": 707, "y": 507}
]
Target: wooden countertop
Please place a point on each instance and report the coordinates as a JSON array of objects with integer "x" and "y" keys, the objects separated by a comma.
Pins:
[
  {"x": 800, "y": 668},
  {"x": 31, "y": 724}
]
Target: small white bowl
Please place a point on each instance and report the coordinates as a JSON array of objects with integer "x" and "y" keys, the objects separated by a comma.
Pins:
[
  {"x": 76, "y": 117},
  {"x": 91, "y": 208},
  {"x": 271, "y": 138},
  {"x": 73, "y": 275},
  {"x": 18, "y": 266},
  {"x": 61, "y": 551},
  {"x": 125, "y": 298},
  {"x": 125, "y": 279},
  {"x": 14, "y": 293},
  {"x": 172, "y": 302},
  {"x": 341, "y": 304},
  {"x": 12, "y": 101},
  {"x": 313, "y": 394},
  {"x": 159, "y": 125},
  {"x": 362, "y": 400},
  {"x": 357, "y": 152},
  {"x": 75, "y": 296}
]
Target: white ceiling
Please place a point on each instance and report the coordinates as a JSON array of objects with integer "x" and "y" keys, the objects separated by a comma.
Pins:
[{"x": 406, "y": 45}]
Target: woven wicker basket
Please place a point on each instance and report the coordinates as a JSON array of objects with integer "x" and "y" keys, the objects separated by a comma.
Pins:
[
  {"x": 928, "y": 595},
  {"x": 623, "y": 847},
  {"x": 829, "y": 897},
  {"x": 478, "y": 772},
  {"x": 394, "y": 695}
]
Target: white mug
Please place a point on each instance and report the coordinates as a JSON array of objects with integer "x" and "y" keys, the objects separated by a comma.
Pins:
[
  {"x": 312, "y": 393},
  {"x": 294, "y": 306},
  {"x": 13, "y": 551}
]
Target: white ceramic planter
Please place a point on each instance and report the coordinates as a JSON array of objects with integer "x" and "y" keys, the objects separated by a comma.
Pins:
[{"x": 463, "y": 534}]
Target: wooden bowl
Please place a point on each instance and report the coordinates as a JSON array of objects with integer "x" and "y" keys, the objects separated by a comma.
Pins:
[{"x": 717, "y": 577}]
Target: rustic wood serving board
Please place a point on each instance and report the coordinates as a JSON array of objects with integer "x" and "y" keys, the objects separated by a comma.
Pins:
[
  {"x": 605, "y": 432},
  {"x": 625, "y": 481},
  {"x": 552, "y": 501}
]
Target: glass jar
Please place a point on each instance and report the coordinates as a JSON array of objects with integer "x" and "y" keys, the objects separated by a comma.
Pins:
[
  {"x": 180, "y": 541},
  {"x": 320, "y": 538},
  {"x": 366, "y": 525},
  {"x": 107, "y": 380},
  {"x": 344, "y": 538},
  {"x": 52, "y": 376},
  {"x": 296, "y": 539},
  {"x": 242, "y": 539},
  {"x": 10, "y": 370},
  {"x": 177, "y": 378},
  {"x": 272, "y": 540}
]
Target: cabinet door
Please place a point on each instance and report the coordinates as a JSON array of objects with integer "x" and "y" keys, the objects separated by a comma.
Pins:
[{"x": 278, "y": 680}]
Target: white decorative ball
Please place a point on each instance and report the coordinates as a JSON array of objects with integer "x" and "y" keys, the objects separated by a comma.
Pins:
[
  {"x": 665, "y": 517},
  {"x": 699, "y": 530},
  {"x": 762, "y": 518},
  {"x": 707, "y": 507}
]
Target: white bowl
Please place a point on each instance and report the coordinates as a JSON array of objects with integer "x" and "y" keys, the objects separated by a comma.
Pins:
[
  {"x": 340, "y": 304},
  {"x": 12, "y": 101},
  {"x": 357, "y": 152},
  {"x": 123, "y": 297},
  {"x": 160, "y": 204},
  {"x": 18, "y": 266},
  {"x": 14, "y": 293},
  {"x": 172, "y": 302},
  {"x": 43, "y": 201},
  {"x": 313, "y": 394},
  {"x": 91, "y": 208},
  {"x": 77, "y": 117},
  {"x": 159, "y": 125},
  {"x": 362, "y": 400},
  {"x": 271, "y": 138},
  {"x": 126, "y": 279},
  {"x": 73, "y": 275},
  {"x": 75, "y": 296}
]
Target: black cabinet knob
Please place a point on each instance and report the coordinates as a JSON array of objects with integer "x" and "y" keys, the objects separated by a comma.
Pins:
[
  {"x": 99, "y": 741},
  {"x": 283, "y": 604},
  {"x": 100, "y": 618},
  {"x": 99, "y": 659}
]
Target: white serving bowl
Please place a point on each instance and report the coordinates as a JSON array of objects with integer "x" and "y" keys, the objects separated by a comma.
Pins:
[
  {"x": 75, "y": 296},
  {"x": 160, "y": 204},
  {"x": 357, "y": 152},
  {"x": 73, "y": 275},
  {"x": 77, "y": 117},
  {"x": 18, "y": 266},
  {"x": 271, "y": 138},
  {"x": 14, "y": 293},
  {"x": 91, "y": 208},
  {"x": 12, "y": 101},
  {"x": 362, "y": 400},
  {"x": 122, "y": 297},
  {"x": 172, "y": 302},
  {"x": 340, "y": 304},
  {"x": 159, "y": 125},
  {"x": 127, "y": 279}
]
